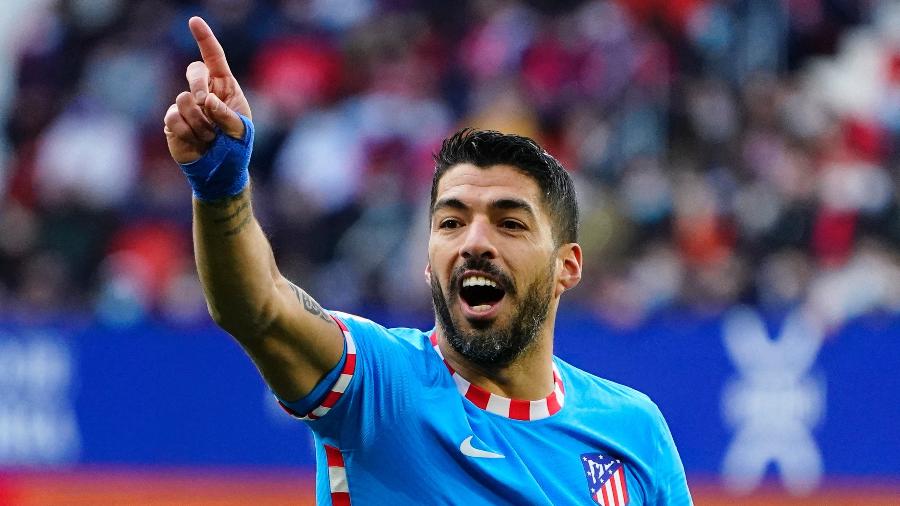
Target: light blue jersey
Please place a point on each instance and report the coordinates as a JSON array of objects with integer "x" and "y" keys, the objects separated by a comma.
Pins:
[{"x": 399, "y": 427}]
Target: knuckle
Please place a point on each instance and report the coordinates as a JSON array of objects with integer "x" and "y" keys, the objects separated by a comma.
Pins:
[
  {"x": 184, "y": 133},
  {"x": 171, "y": 117},
  {"x": 176, "y": 125},
  {"x": 190, "y": 112},
  {"x": 197, "y": 126}
]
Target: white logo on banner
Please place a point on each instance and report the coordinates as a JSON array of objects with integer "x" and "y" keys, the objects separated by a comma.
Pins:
[
  {"x": 773, "y": 403},
  {"x": 37, "y": 421}
]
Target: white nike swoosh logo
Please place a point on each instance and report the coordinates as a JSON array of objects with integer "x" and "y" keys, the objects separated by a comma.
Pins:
[{"x": 470, "y": 451}]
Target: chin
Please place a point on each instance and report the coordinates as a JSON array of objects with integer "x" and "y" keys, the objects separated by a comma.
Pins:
[
  {"x": 478, "y": 323},
  {"x": 481, "y": 324}
]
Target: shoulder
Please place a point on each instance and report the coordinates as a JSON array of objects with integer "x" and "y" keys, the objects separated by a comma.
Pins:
[
  {"x": 632, "y": 424},
  {"x": 393, "y": 363},
  {"x": 614, "y": 399},
  {"x": 369, "y": 333}
]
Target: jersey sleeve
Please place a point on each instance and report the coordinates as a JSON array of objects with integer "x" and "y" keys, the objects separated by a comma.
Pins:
[
  {"x": 316, "y": 403},
  {"x": 371, "y": 391},
  {"x": 672, "y": 488}
]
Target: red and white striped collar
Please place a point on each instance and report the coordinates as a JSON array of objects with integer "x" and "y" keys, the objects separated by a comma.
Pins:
[{"x": 499, "y": 405}]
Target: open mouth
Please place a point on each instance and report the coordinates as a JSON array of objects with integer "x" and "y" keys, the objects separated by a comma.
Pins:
[{"x": 480, "y": 293}]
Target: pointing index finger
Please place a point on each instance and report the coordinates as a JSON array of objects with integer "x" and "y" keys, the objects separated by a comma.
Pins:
[{"x": 210, "y": 49}]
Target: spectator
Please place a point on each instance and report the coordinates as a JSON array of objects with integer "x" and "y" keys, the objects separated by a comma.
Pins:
[{"x": 724, "y": 151}]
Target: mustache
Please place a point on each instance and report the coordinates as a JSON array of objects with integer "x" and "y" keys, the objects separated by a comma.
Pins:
[{"x": 482, "y": 265}]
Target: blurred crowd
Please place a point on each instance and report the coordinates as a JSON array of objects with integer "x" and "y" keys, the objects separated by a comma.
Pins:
[{"x": 725, "y": 151}]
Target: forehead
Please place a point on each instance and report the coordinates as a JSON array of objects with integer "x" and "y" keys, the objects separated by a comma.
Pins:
[{"x": 472, "y": 184}]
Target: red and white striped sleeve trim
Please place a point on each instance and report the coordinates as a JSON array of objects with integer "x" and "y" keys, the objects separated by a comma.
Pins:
[
  {"x": 337, "y": 477},
  {"x": 339, "y": 386},
  {"x": 503, "y": 406}
]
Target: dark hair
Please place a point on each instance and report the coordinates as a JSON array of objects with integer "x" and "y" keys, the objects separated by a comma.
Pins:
[{"x": 484, "y": 148}]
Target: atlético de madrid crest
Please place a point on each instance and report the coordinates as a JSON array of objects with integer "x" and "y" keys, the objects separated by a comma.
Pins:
[{"x": 606, "y": 479}]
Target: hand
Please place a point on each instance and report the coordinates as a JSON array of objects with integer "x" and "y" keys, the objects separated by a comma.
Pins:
[{"x": 214, "y": 100}]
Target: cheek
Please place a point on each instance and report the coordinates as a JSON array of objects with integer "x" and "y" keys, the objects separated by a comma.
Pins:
[
  {"x": 533, "y": 262},
  {"x": 440, "y": 254},
  {"x": 544, "y": 270}
]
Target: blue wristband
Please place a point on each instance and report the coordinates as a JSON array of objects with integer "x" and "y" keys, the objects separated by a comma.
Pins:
[{"x": 223, "y": 170}]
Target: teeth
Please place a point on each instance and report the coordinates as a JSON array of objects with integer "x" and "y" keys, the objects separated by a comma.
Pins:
[
  {"x": 481, "y": 308},
  {"x": 479, "y": 281}
]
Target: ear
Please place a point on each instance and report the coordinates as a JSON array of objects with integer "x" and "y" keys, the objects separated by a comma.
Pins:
[
  {"x": 428, "y": 273},
  {"x": 569, "y": 258}
]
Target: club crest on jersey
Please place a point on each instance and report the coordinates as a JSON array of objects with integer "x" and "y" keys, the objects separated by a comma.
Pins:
[{"x": 605, "y": 479}]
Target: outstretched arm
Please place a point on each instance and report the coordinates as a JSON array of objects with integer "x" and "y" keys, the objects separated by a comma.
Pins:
[{"x": 292, "y": 341}]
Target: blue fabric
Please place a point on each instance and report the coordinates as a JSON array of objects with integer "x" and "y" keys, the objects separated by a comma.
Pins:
[
  {"x": 224, "y": 170},
  {"x": 401, "y": 422},
  {"x": 312, "y": 400}
]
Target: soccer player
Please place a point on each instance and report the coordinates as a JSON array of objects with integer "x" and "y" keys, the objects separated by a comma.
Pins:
[{"x": 477, "y": 411}]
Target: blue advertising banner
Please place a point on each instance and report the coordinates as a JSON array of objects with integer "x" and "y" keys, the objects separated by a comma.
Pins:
[{"x": 748, "y": 399}]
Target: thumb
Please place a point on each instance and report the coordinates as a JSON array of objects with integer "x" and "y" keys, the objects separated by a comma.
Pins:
[{"x": 223, "y": 116}]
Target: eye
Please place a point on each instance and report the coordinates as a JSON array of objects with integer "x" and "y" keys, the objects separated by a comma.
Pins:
[
  {"x": 512, "y": 225},
  {"x": 450, "y": 223}
]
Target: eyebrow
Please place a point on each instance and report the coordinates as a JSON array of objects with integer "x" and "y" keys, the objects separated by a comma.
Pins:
[
  {"x": 513, "y": 204},
  {"x": 451, "y": 203},
  {"x": 501, "y": 204}
]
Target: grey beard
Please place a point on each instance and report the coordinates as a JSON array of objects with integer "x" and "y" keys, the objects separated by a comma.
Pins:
[{"x": 488, "y": 345}]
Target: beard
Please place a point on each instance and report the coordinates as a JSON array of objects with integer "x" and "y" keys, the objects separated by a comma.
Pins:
[{"x": 489, "y": 344}]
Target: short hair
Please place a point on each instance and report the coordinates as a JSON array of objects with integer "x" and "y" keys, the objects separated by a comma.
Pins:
[{"x": 485, "y": 148}]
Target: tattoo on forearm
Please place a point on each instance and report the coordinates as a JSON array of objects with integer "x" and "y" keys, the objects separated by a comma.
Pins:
[
  {"x": 233, "y": 209},
  {"x": 309, "y": 304},
  {"x": 228, "y": 201},
  {"x": 240, "y": 226},
  {"x": 233, "y": 215}
]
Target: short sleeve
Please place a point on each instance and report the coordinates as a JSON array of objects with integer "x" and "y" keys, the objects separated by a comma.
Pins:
[
  {"x": 302, "y": 408},
  {"x": 372, "y": 391}
]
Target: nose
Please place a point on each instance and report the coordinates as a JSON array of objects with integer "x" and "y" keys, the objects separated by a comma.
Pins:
[{"x": 478, "y": 242}]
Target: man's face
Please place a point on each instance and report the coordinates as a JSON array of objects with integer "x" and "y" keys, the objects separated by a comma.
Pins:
[{"x": 492, "y": 262}]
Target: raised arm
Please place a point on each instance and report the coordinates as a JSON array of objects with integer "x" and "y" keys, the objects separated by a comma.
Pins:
[{"x": 292, "y": 341}]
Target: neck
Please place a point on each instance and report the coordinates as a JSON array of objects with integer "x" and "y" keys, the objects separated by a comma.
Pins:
[{"x": 528, "y": 377}]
